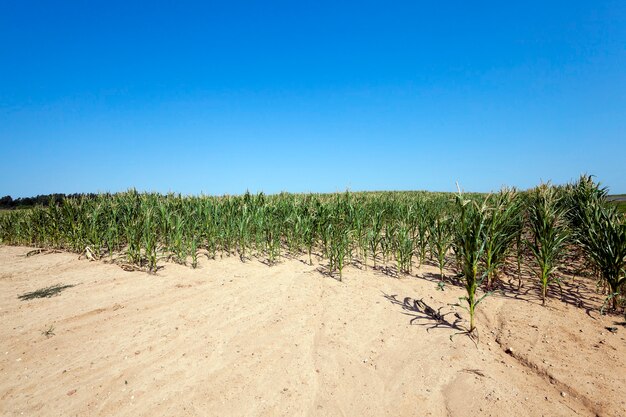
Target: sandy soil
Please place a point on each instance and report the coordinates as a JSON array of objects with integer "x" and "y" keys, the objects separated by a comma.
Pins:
[{"x": 245, "y": 339}]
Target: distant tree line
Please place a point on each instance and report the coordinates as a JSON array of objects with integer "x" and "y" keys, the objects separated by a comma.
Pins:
[{"x": 7, "y": 202}]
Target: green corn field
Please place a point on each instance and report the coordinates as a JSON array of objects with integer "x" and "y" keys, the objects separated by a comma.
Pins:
[{"x": 476, "y": 235}]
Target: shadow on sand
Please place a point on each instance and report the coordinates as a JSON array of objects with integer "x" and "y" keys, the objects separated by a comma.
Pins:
[{"x": 419, "y": 310}]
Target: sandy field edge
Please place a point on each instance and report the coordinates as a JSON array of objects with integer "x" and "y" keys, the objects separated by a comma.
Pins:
[{"x": 244, "y": 339}]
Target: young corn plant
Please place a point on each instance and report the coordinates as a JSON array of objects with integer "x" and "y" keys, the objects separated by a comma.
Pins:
[
  {"x": 179, "y": 249},
  {"x": 210, "y": 238},
  {"x": 603, "y": 238},
  {"x": 243, "y": 232},
  {"x": 272, "y": 237},
  {"x": 404, "y": 249},
  {"x": 469, "y": 246},
  {"x": 339, "y": 249},
  {"x": 374, "y": 234},
  {"x": 580, "y": 197},
  {"x": 308, "y": 235},
  {"x": 501, "y": 228},
  {"x": 112, "y": 231},
  {"x": 423, "y": 224},
  {"x": 294, "y": 232},
  {"x": 441, "y": 238},
  {"x": 73, "y": 226},
  {"x": 194, "y": 249},
  {"x": 549, "y": 235},
  {"x": 133, "y": 230},
  {"x": 519, "y": 250},
  {"x": 256, "y": 223},
  {"x": 360, "y": 233},
  {"x": 150, "y": 242},
  {"x": 388, "y": 241},
  {"x": 95, "y": 234}
]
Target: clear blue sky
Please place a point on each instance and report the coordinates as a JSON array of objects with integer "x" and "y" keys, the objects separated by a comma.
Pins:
[{"x": 310, "y": 96}]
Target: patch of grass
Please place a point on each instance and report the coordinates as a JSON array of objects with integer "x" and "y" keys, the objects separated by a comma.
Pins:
[
  {"x": 46, "y": 292},
  {"x": 619, "y": 200}
]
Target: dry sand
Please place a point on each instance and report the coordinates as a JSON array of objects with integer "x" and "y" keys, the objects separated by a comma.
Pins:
[{"x": 245, "y": 339}]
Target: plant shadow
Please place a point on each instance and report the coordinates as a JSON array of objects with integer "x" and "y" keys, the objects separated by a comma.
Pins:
[
  {"x": 419, "y": 310},
  {"x": 325, "y": 271},
  {"x": 46, "y": 292},
  {"x": 453, "y": 280},
  {"x": 574, "y": 291},
  {"x": 389, "y": 270}
]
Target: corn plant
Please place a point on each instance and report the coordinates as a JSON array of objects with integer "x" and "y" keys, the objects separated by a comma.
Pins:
[
  {"x": 150, "y": 241},
  {"x": 469, "y": 246},
  {"x": 441, "y": 238},
  {"x": 423, "y": 224},
  {"x": 549, "y": 235},
  {"x": 404, "y": 249},
  {"x": 388, "y": 242},
  {"x": 502, "y": 224},
  {"x": 581, "y": 197},
  {"x": 243, "y": 231},
  {"x": 339, "y": 249},
  {"x": 134, "y": 231},
  {"x": 178, "y": 248},
  {"x": 374, "y": 234},
  {"x": 360, "y": 233},
  {"x": 308, "y": 235},
  {"x": 603, "y": 238},
  {"x": 272, "y": 236}
]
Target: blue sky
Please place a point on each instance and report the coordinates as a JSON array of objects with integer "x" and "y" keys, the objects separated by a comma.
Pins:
[{"x": 318, "y": 96}]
